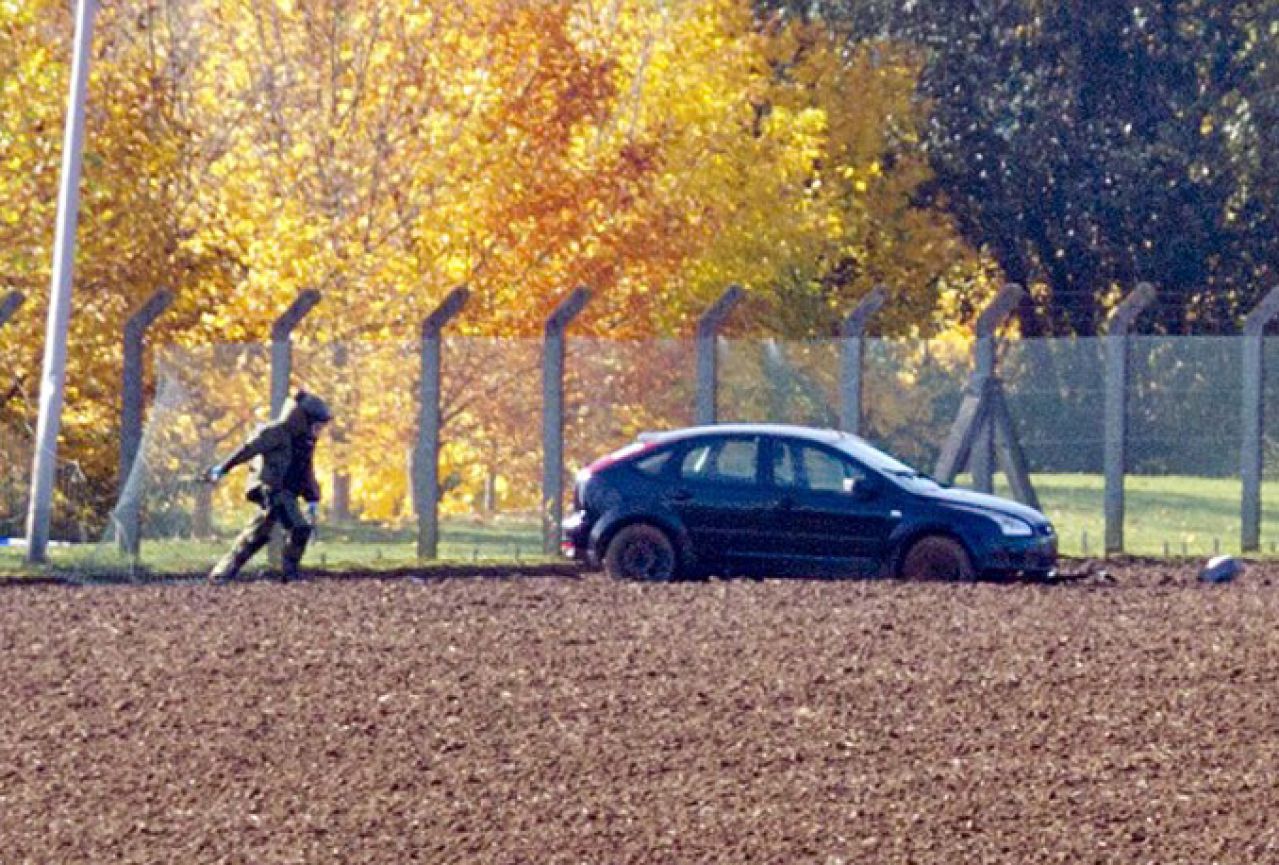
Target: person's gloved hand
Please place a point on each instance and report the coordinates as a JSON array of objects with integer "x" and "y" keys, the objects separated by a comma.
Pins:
[
  {"x": 213, "y": 474},
  {"x": 312, "y": 511}
]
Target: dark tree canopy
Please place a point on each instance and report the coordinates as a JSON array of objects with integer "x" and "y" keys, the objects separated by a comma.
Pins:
[{"x": 1092, "y": 144}]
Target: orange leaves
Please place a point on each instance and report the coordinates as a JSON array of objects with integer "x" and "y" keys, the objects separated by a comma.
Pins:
[{"x": 384, "y": 151}]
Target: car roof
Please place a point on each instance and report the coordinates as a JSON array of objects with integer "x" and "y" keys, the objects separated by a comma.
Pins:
[
  {"x": 816, "y": 434},
  {"x": 854, "y": 446}
]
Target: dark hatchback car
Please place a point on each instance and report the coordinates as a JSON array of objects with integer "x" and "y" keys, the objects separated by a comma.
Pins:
[{"x": 789, "y": 500}]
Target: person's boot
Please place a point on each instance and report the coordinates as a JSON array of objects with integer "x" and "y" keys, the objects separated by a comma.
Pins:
[
  {"x": 294, "y": 547},
  {"x": 228, "y": 567}
]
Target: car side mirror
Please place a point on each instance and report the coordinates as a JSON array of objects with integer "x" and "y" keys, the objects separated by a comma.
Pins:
[{"x": 860, "y": 488}]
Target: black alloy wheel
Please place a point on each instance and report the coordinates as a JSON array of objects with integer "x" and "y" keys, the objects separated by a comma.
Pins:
[{"x": 641, "y": 552}]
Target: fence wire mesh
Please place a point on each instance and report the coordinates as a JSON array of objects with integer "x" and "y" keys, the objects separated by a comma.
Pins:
[{"x": 1183, "y": 415}]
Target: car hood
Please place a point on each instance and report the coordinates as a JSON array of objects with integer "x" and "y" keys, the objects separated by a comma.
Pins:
[{"x": 986, "y": 502}]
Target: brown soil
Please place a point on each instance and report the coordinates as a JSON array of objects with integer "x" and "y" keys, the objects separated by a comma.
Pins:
[{"x": 1125, "y": 718}]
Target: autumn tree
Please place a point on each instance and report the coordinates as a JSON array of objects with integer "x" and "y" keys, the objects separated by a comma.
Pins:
[
  {"x": 1092, "y": 145},
  {"x": 130, "y": 232},
  {"x": 385, "y": 152}
]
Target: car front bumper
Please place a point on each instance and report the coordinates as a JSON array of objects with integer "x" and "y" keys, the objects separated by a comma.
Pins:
[{"x": 1033, "y": 555}]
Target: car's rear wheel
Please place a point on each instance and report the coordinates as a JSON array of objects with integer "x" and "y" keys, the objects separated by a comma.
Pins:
[
  {"x": 937, "y": 557},
  {"x": 641, "y": 551}
]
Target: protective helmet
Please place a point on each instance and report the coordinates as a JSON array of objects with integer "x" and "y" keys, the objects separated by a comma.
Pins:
[{"x": 315, "y": 409}]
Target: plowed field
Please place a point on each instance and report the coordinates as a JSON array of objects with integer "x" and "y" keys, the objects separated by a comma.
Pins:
[{"x": 1133, "y": 719}]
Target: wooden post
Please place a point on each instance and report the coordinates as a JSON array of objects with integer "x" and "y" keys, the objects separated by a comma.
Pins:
[
  {"x": 707, "y": 364},
  {"x": 1116, "y": 406},
  {"x": 852, "y": 353},
  {"x": 553, "y": 417},
  {"x": 984, "y": 352},
  {"x": 1012, "y": 459},
  {"x": 974, "y": 414},
  {"x": 426, "y": 456},
  {"x": 128, "y": 517},
  {"x": 984, "y": 407},
  {"x": 1252, "y": 404}
]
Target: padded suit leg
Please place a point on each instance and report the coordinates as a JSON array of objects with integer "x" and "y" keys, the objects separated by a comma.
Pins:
[{"x": 253, "y": 538}]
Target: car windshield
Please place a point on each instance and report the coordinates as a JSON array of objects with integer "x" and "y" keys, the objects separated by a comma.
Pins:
[{"x": 874, "y": 458}]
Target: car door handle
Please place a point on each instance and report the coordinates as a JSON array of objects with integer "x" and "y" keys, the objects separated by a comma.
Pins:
[{"x": 679, "y": 496}]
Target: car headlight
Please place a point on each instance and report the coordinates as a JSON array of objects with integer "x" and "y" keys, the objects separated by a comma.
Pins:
[{"x": 1011, "y": 527}]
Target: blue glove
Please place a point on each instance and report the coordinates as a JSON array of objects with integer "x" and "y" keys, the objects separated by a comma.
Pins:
[
  {"x": 312, "y": 511},
  {"x": 214, "y": 474}
]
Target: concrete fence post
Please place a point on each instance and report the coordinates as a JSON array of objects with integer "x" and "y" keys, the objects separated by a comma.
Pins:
[
  {"x": 1252, "y": 405},
  {"x": 129, "y": 536},
  {"x": 708, "y": 327},
  {"x": 553, "y": 417},
  {"x": 852, "y": 353},
  {"x": 1116, "y": 410},
  {"x": 281, "y": 372},
  {"x": 282, "y": 346},
  {"x": 426, "y": 455},
  {"x": 10, "y": 305},
  {"x": 985, "y": 350}
]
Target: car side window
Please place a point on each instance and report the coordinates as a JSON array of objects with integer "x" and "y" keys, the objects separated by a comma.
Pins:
[
  {"x": 785, "y": 472},
  {"x": 803, "y": 467},
  {"x": 826, "y": 472},
  {"x": 727, "y": 461}
]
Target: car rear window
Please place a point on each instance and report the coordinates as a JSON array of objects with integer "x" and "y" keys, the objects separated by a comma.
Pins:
[
  {"x": 652, "y": 464},
  {"x": 722, "y": 461}
]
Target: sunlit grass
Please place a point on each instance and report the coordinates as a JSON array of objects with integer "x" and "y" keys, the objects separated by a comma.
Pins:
[
  {"x": 514, "y": 541},
  {"x": 1168, "y": 515},
  {"x": 1164, "y": 515}
]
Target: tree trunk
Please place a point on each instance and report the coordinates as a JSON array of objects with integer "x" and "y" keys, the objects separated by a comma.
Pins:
[{"x": 341, "y": 496}]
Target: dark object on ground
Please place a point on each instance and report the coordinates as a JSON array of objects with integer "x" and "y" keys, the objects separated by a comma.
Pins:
[
  {"x": 791, "y": 501},
  {"x": 1221, "y": 569}
]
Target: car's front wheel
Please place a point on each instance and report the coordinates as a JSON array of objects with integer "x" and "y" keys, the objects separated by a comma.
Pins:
[
  {"x": 641, "y": 551},
  {"x": 937, "y": 557}
]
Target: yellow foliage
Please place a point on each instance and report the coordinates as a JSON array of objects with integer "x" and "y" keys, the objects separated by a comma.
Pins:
[{"x": 383, "y": 152}]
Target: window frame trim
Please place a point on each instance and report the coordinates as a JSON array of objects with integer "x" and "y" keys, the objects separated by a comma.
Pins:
[{"x": 721, "y": 439}]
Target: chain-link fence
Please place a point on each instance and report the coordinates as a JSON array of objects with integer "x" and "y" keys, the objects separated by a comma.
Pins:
[{"x": 1183, "y": 411}]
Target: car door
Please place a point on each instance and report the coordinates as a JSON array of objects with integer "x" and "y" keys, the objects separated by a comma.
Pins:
[
  {"x": 828, "y": 512},
  {"x": 718, "y": 494}
]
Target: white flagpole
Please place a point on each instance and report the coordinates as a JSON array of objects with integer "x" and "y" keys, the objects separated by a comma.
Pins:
[{"x": 55, "y": 341}]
